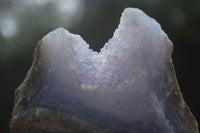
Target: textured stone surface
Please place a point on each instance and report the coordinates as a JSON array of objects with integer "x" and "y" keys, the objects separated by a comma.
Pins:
[{"x": 129, "y": 87}]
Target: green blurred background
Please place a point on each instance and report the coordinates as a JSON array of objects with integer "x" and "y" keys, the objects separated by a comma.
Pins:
[{"x": 24, "y": 22}]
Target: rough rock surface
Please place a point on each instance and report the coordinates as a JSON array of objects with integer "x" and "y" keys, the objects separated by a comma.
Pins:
[{"x": 129, "y": 87}]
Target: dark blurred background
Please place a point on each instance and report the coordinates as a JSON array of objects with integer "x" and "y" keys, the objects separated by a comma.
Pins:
[{"x": 24, "y": 22}]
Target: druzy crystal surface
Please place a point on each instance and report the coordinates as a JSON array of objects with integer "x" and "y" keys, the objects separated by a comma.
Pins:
[{"x": 128, "y": 87}]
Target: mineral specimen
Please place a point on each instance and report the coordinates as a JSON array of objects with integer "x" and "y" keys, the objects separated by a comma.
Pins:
[{"x": 128, "y": 87}]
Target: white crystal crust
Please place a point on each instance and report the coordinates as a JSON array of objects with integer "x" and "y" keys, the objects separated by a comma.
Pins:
[{"x": 137, "y": 47}]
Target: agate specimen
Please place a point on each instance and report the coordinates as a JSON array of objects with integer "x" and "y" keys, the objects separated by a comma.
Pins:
[{"x": 128, "y": 87}]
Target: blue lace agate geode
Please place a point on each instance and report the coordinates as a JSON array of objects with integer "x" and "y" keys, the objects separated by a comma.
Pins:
[{"x": 129, "y": 87}]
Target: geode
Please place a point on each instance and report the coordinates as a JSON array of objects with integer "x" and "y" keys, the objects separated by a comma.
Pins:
[{"x": 130, "y": 86}]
